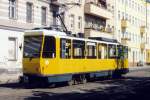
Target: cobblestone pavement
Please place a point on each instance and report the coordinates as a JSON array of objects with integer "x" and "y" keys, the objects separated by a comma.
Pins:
[{"x": 134, "y": 85}]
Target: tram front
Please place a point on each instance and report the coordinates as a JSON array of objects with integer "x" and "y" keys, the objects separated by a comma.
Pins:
[{"x": 32, "y": 54}]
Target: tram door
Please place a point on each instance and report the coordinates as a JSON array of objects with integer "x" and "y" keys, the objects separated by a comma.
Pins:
[
  {"x": 122, "y": 55},
  {"x": 120, "y": 58}
]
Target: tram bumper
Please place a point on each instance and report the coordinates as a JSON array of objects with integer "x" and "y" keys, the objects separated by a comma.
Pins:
[
  {"x": 24, "y": 79},
  {"x": 122, "y": 71}
]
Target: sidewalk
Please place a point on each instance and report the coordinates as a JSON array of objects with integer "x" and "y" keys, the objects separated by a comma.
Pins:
[
  {"x": 138, "y": 68},
  {"x": 9, "y": 78}
]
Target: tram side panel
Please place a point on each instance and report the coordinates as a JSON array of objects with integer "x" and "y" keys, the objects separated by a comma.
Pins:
[{"x": 59, "y": 66}]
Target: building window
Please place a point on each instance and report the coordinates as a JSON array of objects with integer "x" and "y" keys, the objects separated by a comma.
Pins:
[
  {"x": 12, "y": 9},
  {"x": 119, "y": 15},
  {"x": 43, "y": 14},
  {"x": 79, "y": 1},
  {"x": 29, "y": 12},
  {"x": 12, "y": 50},
  {"x": 80, "y": 22},
  {"x": 72, "y": 22}
]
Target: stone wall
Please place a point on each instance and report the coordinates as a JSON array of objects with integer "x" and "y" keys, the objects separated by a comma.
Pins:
[{"x": 9, "y": 75}]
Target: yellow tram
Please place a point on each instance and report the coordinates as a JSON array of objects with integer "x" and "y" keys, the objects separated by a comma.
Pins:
[{"x": 51, "y": 56}]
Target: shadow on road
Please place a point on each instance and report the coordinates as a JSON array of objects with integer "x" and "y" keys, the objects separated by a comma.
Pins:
[
  {"x": 12, "y": 85},
  {"x": 122, "y": 89},
  {"x": 118, "y": 89}
]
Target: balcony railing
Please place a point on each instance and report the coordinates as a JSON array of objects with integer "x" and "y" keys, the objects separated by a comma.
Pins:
[
  {"x": 142, "y": 30},
  {"x": 58, "y": 2},
  {"x": 104, "y": 29},
  {"x": 97, "y": 10},
  {"x": 142, "y": 46},
  {"x": 125, "y": 40},
  {"x": 124, "y": 23},
  {"x": 91, "y": 32},
  {"x": 65, "y": 2}
]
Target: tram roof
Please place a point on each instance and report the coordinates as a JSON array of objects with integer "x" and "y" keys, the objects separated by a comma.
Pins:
[
  {"x": 44, "y": 32},
  {"x": 63, "y": 35}
]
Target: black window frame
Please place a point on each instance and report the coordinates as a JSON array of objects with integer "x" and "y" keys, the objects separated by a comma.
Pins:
[
  {"x": 52, "y": 50},
  {"x": 78, "y": 43},
  {"x": 94, "y": 50},
  {"x": 29, "y": 12},
  {"x": 40, "y": 48},
  {"x": 122, "y": 51},
  {"x": 69, "y": 48},
  {"x": 99, "y": 51},
  {"x": 43, "y": 15},
  {"x": 125, "y": 52},
  {"x": 112, "y": 46},
  {"x": 105, "y": 51}
]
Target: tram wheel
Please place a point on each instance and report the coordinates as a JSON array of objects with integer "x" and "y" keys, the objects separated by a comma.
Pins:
[
  {"x": 71, "y": 82},
  {"x": 84, "y": 80}
]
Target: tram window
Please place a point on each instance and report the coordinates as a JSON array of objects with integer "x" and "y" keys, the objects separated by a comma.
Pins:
[
  {"x": 125, "y": 52},
  {"x": 32, "y": 46},
  {"x": 65, "y": 51},
  {"x": 78, "y": 49},
  {"x": 49, "y": 49},
  {"x": 122, "y": 51},
  {"x": 102, "y": 51},
  {"x": 99, "y": 51},
  {"x": 91, "y": 50},
  {"x": 112, "y": 51}
]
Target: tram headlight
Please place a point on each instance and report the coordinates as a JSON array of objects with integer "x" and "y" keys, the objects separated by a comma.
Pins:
[{"x": 46, "y": 62}]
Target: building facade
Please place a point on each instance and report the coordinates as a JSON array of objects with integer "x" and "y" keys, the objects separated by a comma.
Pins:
[
  {"x": 94, "y": 18},
  {"x": 132, "y": 28},
  {"x": 148, "y": 32},
  {"x": 72, "y": 13},
  {"x": 17, "y": 16},
  {"x": 127, "y": 21},
  {"x": 98, "y": 16}
]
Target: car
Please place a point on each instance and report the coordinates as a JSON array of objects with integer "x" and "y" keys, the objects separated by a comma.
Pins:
[{"x": 140, "y": 63}]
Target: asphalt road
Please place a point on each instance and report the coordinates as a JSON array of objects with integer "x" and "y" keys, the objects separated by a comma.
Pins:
[{"x": 135, "y": 85}]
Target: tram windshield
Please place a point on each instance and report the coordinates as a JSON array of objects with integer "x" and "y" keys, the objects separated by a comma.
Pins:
[
  {"x": 32, "y": 46},
  {"x": 123, "y": 51},
  {"x": 49, "y": 48}
]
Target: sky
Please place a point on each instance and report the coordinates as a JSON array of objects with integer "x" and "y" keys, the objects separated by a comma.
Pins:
[{"x": 148, "y": 1}]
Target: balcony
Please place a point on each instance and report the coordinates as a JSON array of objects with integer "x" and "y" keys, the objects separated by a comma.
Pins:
[
  {"x": 142, "y": 46},
  {"x": 125, "y": 40},
  {"x": 142, "y": 30},
  {"x": 65, "y": 2},
  {"x": 91, "y": 32},
  {"x": 124, "y": 24},
  {"x": 57, "y": 2},
  {"x": 147, "y": 46},
  {"x": 97, "y": 10}
]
